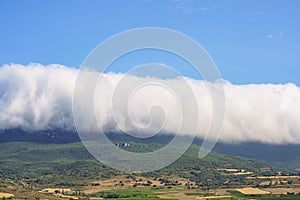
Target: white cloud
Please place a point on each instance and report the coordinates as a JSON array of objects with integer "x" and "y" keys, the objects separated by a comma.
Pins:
[
  {"x": 281, "y": 34},
  {"x": 188, "y": 6},
  {"x": 278, "y": 35},
  {"x": 256, "y": 16},
  {"x": 269, "y": 36},
  {"x": 38, "y": 97}
]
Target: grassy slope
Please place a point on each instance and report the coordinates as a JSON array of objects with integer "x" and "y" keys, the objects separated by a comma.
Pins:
[{"x": 61, "y": 164}]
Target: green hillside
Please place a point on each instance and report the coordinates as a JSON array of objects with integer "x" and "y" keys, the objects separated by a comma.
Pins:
[{"x": 71, "y": 165}]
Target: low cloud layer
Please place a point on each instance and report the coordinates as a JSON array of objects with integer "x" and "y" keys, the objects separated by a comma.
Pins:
[{"x": 38, "y": 97}]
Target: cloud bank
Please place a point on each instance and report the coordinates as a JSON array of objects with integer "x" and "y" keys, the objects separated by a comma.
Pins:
[{"x": 37, "y": 97}]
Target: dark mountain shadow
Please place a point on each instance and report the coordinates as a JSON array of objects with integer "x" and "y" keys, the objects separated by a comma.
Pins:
[{"x": 46, "y": 136}]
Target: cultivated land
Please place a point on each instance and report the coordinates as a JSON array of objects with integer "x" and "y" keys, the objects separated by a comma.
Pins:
[
  {"x": 252, "y": 191},
  {"x": 55, "y": 171},
  {"x": 6, "y": 195}
]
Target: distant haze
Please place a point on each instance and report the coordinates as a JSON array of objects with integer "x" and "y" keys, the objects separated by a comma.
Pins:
[{"x": 37, "y": 97}]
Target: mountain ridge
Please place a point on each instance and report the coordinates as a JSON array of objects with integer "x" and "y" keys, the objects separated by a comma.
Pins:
[{"x": 283, "y": 156}]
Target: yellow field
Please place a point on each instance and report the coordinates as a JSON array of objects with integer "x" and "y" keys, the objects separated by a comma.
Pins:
[
  {"x": 52, "y": 190},
  {"x": 213, "y": 197},
  {"x": 242, "y": 173},
  {"x": 228, "y": 170},
  {"x": 264, "y": 183},
  {"x": 252, "y": 191},
  {"x": 283, "y": 190},
  {"x": 273, "y": 177},
  {"x": 178, "y": 195},
  {"x": 6, "y": 195}
]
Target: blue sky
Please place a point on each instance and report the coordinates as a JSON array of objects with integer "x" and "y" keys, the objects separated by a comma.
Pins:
[{"x": 250, "y": 41}]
